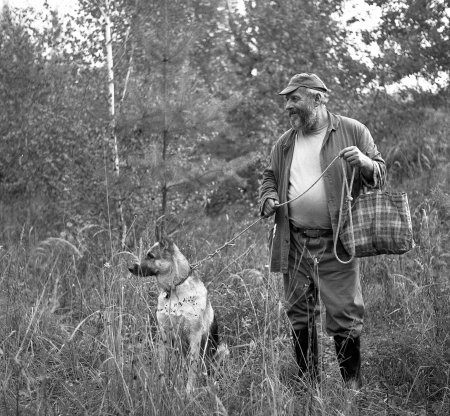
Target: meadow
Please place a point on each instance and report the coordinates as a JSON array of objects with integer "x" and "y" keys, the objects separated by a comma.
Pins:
[{"x": 78, "y": 333}]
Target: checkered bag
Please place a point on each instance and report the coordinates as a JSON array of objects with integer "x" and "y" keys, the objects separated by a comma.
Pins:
[
  {"x": 381, "y": 224},
  {"x": 376, "y": 223}
]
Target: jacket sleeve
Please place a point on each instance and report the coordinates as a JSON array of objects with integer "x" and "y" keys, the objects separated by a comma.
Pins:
[
  {"x": 269, "y": 185},
  {"x": 369, "y": 148}
]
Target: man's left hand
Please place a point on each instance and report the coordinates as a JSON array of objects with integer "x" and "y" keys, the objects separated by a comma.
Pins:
[{"x": 356, "y": 158}]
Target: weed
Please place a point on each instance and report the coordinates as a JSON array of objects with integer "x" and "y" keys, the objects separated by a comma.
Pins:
[{"x": 78, "y": 332}]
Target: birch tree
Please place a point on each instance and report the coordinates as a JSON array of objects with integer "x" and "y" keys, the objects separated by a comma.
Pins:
[{"x": 106, "y": 11}]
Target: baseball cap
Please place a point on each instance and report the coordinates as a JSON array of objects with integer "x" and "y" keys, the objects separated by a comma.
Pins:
[{"x": 304, "y": 80}]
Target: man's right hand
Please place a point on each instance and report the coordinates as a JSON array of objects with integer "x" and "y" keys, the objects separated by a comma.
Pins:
[{"x": 270, "y": 206}]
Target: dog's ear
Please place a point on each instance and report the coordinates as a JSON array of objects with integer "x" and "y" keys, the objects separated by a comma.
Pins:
[
  {"x": 159, "y": 231},
  {"x": 160, "y": 228},
  {"x": 164, "y": 241}
]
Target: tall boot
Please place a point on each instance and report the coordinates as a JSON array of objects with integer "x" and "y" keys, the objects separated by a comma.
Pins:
[
  {"x": 306, "y": 353},
  {"x": 349, "y": 359}
]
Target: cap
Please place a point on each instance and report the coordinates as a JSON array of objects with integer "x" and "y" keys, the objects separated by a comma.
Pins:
[{"x": 304, "y": 80}]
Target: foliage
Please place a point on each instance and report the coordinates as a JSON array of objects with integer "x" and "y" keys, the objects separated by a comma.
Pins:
[
  {"x": 271, "y": 42},
  {"x": 50, "y": 137},
  {"x": 413, "y": 138},
  {"x": 413, "y": 37},
  {"x": 197, "y": 104}
]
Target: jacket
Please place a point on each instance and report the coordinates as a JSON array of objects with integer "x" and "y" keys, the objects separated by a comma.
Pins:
[{"x": 341, "y": 133}]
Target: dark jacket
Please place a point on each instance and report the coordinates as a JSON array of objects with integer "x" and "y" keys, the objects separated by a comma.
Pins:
[{"x": 342, "y": 132}]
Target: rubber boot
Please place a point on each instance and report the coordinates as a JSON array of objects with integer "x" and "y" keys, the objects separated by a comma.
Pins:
[
  {"x": 349, "y": 359},
  {"x": 306, "y": 353}
]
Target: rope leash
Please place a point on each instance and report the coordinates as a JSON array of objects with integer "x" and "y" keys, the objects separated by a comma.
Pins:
[
  {"x": 229, "y": 243},
  {"x": 348, "y": 199},
  {"x": 317, "y": 180}
]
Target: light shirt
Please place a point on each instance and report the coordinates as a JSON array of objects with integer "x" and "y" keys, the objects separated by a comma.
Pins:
[{"x": 310, "y": 210}]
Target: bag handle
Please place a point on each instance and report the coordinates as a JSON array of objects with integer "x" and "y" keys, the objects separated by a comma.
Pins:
[
  {"x": 380, "y": 184},
  {"x": 349, "y": 199}
]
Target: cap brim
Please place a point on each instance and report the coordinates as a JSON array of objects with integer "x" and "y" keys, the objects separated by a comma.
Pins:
[{"x": 289, "y": 89}]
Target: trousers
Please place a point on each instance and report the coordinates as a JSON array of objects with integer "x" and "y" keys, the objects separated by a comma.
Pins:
[{"x": 314, "y": 272}]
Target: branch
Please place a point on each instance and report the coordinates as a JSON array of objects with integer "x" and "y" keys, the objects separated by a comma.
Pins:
[
  {"x": 184, "y": 46},
  {"x": 197, "y": 179},
  {"x": 130, "y": 68}
]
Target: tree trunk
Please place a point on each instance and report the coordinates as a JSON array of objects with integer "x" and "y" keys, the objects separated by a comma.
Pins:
[
  {"x": 165, "y": 132},
  {"x": 112, "y": 113}
]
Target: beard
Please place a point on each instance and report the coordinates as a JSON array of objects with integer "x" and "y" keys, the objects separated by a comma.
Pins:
[{"x": 304, "y": 119}]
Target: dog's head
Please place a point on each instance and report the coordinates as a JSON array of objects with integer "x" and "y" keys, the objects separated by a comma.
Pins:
[{"x": 165, "y": 261}]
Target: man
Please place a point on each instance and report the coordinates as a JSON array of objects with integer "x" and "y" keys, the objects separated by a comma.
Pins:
[{"x": 302, "y": 242}]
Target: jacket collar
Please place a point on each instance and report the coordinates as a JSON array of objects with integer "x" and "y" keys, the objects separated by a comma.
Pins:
[
  {"x": 333, "y": 124},
  {"x": 333, "y": 121}
]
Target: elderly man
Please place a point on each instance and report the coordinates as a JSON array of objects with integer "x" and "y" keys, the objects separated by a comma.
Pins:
[{"x": 302, "y": 239}]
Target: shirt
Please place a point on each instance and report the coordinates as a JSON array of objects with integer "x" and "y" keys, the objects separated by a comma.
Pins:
[{"x": 310, "y": 209}]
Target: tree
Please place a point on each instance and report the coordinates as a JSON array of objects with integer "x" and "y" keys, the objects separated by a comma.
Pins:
[
  {"x": 413, "y": 37},
  {"x": 52, "y": 109},
  {"x": 168, "y": 110}
]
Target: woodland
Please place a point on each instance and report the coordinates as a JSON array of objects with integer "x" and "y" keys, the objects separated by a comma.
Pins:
[{"x": 122, "y": 111}]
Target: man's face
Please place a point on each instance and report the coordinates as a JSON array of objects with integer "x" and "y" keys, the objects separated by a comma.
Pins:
[{"x": 301, "y": 110}]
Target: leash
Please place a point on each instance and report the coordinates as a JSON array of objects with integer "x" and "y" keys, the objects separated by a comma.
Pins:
[
  {"x": 317, "y": 180},
  {"x": 229, "y": 243},
  {"x": 209, "y": 256},
  {"x": 348, "y": 199}
]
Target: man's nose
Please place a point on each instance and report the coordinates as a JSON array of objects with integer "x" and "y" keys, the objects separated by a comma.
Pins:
[{"x": 288, "y": 105}]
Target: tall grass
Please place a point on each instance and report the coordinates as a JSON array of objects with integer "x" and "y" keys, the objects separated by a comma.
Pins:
[{"x": 78, "y": 332}]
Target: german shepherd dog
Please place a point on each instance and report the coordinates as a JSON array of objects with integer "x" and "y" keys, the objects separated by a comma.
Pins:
[{"x": 184, "y": 312}]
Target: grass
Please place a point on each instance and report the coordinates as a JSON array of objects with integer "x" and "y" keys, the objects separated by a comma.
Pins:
[{"x": 78, "y": 333}]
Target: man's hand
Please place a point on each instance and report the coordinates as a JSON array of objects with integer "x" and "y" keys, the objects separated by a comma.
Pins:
[
  {"x": 270, "y": 207},
  {"x": 357, "y": 159}
]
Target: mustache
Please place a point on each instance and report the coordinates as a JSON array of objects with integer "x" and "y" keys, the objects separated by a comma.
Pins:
[
  {"x": 303, "y": 114},
  {"x": 299, "y": 111}
]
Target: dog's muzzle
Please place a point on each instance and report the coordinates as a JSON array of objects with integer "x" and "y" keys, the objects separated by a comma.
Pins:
[{"x": 142, "y": 270}]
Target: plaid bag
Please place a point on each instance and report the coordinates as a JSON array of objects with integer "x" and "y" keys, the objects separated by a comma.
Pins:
[
  {"x": 377, "y": 223},
  {"x": 381, "y": 224}
]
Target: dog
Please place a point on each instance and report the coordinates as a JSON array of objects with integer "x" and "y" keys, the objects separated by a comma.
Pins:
[{"x": 184, "y": 312}]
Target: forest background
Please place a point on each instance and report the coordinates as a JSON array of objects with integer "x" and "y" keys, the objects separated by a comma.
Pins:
[{"x": 121, "y": 111}]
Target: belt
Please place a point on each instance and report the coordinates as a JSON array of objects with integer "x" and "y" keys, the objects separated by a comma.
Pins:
[{"x": 308, "y": 232}]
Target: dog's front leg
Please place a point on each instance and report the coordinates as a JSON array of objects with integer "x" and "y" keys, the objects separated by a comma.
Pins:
[
  {"x": 194, "y": 358},
  {"x": 162, "y": 352}
]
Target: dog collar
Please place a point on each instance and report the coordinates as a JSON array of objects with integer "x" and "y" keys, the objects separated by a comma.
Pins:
[{"x": 183, "y": 280}]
